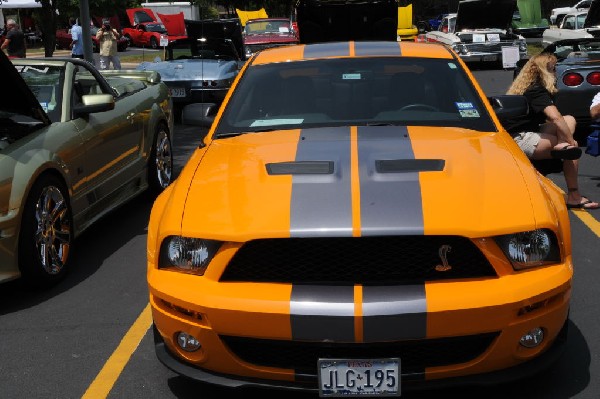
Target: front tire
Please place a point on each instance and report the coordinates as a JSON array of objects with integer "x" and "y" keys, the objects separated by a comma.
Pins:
[
  {"x": 153, "y": 43},
  {"x": 160, "y": 164},
  {"x": 46, "y": 235}
]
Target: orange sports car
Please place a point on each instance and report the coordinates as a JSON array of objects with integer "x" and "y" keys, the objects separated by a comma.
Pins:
[{"x": 375, "y": 232}]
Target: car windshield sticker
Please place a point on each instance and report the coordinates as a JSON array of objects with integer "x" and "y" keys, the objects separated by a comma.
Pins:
[
  {"x": 273, "y": 122},
  {"x": 44, "y": 106},
  {"x": 478, "y": 38},
  {"x": 452, "y": 65},
  {"x": 351, "y": 76},
  {"x": 467, "y": 110},
  {"x": 283, "y": 29},
  {"x": 493, "y": 37}
]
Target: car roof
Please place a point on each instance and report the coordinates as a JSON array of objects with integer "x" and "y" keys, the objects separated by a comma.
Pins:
[{"x": 351, "y": 49}]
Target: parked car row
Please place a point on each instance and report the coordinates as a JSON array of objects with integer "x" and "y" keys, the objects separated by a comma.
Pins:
[
  {"x": 479, "y": 32},
  {"x": 307, "y": 233}
]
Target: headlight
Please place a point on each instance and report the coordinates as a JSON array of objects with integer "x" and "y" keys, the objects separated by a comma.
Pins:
[
  {"x": 522, "y": 44},
  {"x": 530, "y": 248},
  {"x": 460, "y": 48},
  {"x": 187, "y": 255}
]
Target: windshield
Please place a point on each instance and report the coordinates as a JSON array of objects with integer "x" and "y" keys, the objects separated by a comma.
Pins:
[
  {"x": 259, "y": 27},
  {"x": 46, "y": 83},
  {"x": 358, "y": 91},
  {"x": 160, "y": 28},
  {"x": 202, "y": 49}
]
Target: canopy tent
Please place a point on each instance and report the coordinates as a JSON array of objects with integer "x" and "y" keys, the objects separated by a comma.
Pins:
[
  {"x": 16, "y": 4},
  {"x": 19, "y": 4}
]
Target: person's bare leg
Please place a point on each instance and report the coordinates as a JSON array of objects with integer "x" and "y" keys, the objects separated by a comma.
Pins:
[{"x": 548, "y": 142}]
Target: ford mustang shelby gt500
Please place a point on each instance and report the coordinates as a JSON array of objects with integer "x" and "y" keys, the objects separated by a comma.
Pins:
[{"x": 376, "y": 230}]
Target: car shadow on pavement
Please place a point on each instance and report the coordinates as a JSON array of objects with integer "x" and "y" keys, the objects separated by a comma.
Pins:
[{"x": 90, "y": 250}]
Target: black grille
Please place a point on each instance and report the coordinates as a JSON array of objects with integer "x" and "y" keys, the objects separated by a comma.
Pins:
[
  {"x": 415, "y": 355},
  {"x": 366, "y": 260},
  {"x": 488, "y": 48}
]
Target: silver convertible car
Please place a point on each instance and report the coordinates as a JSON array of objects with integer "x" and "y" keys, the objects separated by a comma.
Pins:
[
  {"x": 201, "y": 67},
  {"x": 74, "y": 144}
]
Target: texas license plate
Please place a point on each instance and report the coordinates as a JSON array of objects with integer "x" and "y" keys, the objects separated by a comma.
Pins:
[
  {"x": 177, "y": 91},
  {"x": 346, "y": 377}
]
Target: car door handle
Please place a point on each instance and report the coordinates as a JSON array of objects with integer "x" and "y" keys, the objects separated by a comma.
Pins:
[{"x": 131, "y": 117}]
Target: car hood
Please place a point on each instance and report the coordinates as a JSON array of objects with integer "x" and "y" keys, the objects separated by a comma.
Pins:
[
  {"x": 266, "y": 38},
  {"x": 482, "y": 14},
  {"x": 592, "y": 18},
  {"x": 17, "y": 97},
  {"x": 140, "y": 15},
  {"x": 205, "y": 69},
  {"x": 415, "y": 180}
]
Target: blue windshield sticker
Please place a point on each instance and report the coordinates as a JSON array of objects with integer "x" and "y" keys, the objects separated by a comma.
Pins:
[
  {"x": 467, "y": 110},
  {"x": 464, "y": 105},
  {"x": 351, "y": 76}
]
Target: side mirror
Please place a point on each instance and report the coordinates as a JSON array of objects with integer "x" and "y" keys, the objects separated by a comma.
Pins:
[
  {"x": 92, "y": 103},
  {"x": 199, "y": 114},
  {"x": 509, "y": 106}
]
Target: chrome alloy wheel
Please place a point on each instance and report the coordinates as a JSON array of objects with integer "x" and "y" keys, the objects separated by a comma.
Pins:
[
  {"x": 163, "y": 159},
  {"x": 53, "y": 233}
]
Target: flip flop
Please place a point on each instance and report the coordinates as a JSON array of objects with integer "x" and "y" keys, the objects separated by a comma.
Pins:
[
  {"x": 583, "y": 205},
  {"x": 567, "y": 152}
]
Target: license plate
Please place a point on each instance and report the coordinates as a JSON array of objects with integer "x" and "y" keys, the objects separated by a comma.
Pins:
[
  {"x": 490, "y": 57},
  {"x": 346, "y": 377},
  {"x": 177, "y": 91}
]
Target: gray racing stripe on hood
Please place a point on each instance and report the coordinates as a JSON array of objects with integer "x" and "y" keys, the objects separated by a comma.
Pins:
[
  {"x": 377, "y": 48},
  {"x": 390, "y": 203},
  {"x": 322, "y": 312},
  {"x": 393, "y": 313},
  {"x": 321, "y": 204},
  {"x": 333, "y": 49}
]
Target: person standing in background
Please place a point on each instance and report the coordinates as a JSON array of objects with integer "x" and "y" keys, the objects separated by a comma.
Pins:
[
  {"x": 107, "y": 39},
  {"x": 14, "y": 43},
  {"x": 76, "y": 41}
]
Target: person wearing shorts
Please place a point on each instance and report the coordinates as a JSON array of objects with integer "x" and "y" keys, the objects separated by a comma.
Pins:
[{"x": 545, "y": 133}]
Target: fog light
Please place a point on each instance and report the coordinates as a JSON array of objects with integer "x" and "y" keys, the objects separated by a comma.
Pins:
[
  {"x": 532, "y": 338},
  {"x": 187, "y": 342}
]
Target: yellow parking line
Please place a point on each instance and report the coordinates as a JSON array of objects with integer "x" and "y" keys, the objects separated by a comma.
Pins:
[
  {"x": 588, "y": 220},
  {"x": 107, "y": 377}
]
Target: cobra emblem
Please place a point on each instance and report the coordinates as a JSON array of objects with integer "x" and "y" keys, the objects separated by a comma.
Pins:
[{"x": 443, "y": 253}]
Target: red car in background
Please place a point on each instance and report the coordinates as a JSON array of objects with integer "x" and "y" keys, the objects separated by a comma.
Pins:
[
  {"x": 147, "y": 31},
  {"x": 263, "y": 33}
]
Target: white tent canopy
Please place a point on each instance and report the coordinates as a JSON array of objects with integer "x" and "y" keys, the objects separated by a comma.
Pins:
[{"x": 20, "y": 4}]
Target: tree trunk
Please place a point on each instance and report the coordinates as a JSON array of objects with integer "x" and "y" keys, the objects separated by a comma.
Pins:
[{"x": 47, "y": 24}]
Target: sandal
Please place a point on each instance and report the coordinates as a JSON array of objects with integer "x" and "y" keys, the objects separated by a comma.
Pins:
[
  {"x": 567, "y": 152},
  {"x": 584, "y": 204}
]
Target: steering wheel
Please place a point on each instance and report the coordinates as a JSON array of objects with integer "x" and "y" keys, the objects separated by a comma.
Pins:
[{"x": 424, "y": 107}]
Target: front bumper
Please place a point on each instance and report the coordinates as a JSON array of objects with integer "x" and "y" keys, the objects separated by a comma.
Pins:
[
  {"x": 521, "y": 371},
  {"x": 254, "y": 335}
]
